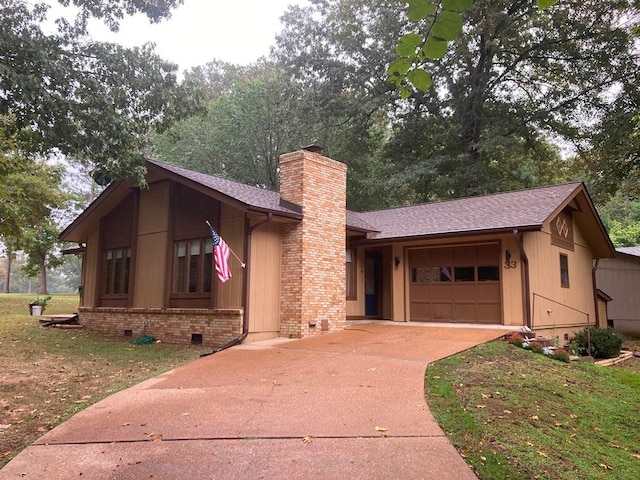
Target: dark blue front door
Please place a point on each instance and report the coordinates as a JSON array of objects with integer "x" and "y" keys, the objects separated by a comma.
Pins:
[{"x": 371, "y": 267}]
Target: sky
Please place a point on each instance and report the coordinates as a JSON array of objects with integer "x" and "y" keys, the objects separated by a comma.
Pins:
[{"x": 200, "y": 31}]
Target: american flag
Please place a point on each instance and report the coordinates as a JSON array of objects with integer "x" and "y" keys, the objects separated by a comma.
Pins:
[{"x": 220, "y": 256}]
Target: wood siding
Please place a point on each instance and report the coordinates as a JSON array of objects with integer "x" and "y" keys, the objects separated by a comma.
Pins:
[
  {"x": 555, "y": 309},
  {"x": 153, "y": 236},
  {"x": 232, "y": 228},
  {"x": 620, "y": 279},
  {"x": 264, "y": 294}
]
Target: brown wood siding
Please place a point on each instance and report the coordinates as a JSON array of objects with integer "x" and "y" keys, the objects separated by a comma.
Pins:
[
  {"x": 190, "y": 211},
  {"x": 620, "y": 279},
  {"x": 117, "y": 225},
  {"x": 232, "y": 228},
  {"x": 151, "y": 260},
  {"x": 266, "y": 252},
  {"x": 554, "y": 306}
]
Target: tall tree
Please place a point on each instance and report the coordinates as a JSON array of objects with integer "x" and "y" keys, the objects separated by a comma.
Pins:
[
  {"x": 258, "y": 113},
  {"x": 516, "y": 77},
  {"x": 92, "y": 100}
]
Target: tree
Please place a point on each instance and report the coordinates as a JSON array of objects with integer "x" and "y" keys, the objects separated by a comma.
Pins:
[
  {"x": 514, "y": 79},
  {"x": 621, "y": 216},
  {"x": 258, "y": 113},
  {"x": 95, "y": 101},
  {"x": 437, "y": 23}
]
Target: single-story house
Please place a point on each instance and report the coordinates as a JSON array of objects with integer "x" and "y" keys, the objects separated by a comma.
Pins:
[
  {"x": 619, "y": 278},
  {"x": 521, "y": 258}
]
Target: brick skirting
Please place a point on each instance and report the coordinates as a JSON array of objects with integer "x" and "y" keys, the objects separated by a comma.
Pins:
[{"x": 169, "y": 325}]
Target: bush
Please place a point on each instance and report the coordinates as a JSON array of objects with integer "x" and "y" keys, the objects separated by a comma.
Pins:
[
  {"x": 562, "y": 355},
  {"x": 516, "y": 339},
  {"x": 605, "y": 342}
]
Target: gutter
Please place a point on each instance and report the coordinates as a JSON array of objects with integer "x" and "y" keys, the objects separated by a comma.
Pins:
[
  {"x": 247, "y": 284},
  {"x": 526, "y": 294}
]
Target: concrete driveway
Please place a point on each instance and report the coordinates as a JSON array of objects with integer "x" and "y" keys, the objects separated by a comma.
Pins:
[{"x": 343, "y": 405}]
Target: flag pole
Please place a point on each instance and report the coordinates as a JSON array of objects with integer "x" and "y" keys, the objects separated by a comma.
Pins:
[{"x": 242, "y": 264}]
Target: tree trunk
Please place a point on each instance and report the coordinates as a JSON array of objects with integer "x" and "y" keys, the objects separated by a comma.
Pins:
[
  {"x": 43, "y": 277},
  {"x": 7, "y": 278}
]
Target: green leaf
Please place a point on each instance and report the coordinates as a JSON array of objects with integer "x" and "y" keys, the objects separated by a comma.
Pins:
[
  {"x": 419, "y": 9},
  {"x": 543, "y": 4},
  {"x": 448, "y": 26},
  {"x": 420, "y": 79},
  {"x": 399, "y": 67},
  {"x": 457, "y": 5},
  {"x": 434, "y": 48},
  {"x": 405, "y": 91},
  {"x": 407, "y": 44}
]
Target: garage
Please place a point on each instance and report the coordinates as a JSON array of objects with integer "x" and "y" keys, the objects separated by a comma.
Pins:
[{"x": 456, "y": 284}]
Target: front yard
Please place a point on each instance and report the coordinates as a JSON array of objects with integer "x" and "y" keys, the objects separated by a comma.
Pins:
[
  {"x": 514, "y": 414},
  {"x": 48, "y": 374}
]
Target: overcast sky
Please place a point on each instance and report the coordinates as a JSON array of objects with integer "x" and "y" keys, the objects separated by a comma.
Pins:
[{"x": 202, "y": 30}]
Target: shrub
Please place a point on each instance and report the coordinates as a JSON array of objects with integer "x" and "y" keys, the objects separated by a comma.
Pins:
[
  {"x": 561, "y": 355},
  {"x": 605, "y": 342},
  {"x": 536, "y": 347},
  {"x": 516, "y": 339}
]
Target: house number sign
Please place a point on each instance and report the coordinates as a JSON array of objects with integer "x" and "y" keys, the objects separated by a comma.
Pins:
[{"x": 510, "y": 264}]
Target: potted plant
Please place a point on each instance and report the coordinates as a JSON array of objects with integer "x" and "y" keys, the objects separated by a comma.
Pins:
[{"x": 39, "y": 304}]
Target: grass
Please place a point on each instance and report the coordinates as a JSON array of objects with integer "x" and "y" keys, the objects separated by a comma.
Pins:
[
  {"x": 514, "y": 414},
  {"x": 49, "y": 374}
]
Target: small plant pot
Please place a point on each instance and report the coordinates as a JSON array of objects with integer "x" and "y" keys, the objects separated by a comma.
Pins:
[{"x": 36, "y": 310}]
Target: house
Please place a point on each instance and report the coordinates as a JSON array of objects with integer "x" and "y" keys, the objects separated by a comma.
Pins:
[
  {"x": 522, "y": 258},
  {"x": 619, "y": 278}
]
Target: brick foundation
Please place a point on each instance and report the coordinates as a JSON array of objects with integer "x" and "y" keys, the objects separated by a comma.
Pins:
[{"x": 169, "y": 325}]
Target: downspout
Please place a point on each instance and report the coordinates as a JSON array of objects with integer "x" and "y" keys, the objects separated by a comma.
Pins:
[
  {"x": 526, "y": 295},
  {"x": 595, "y": 293},
  {"x": 247, "y": 284}
]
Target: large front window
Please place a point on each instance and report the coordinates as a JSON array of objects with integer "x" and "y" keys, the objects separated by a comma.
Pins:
[
  {"x": 117, "y": 263},
  {"x": 193, "y": 266}
]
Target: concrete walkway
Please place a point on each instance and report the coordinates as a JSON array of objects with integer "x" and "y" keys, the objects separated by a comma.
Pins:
[{"x": 342, "y": 405}]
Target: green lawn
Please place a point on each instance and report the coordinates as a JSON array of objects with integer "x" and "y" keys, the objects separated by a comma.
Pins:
[
  {"x": 514, "y": 414},
  {"x": 48, "y": 374}
]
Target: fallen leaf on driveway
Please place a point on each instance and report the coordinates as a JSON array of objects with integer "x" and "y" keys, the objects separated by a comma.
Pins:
[{"x": 307, "y": 439}]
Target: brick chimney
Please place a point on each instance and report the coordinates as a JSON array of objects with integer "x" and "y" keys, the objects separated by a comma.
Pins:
[{"x": 313, "y": 293}]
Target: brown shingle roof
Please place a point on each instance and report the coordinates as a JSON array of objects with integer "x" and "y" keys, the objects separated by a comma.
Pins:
[
  {"x": 258, "y": 198},
  {"x": 254, "y": 197},
  {"x": 634, "y": 251},
  {"x": 522, "y": 209}
]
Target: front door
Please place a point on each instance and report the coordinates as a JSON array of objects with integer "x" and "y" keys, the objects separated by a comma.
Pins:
[{"x": 371, "y": 275}]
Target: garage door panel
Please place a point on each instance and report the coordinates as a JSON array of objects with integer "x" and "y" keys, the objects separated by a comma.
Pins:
[
  {"x": 487, "y": 313},
  {"x": 464, "y": 312},
  {"x": 420, "y": 291},
  {"x": 421, "y": 312},
  {"x": 464, "y": 292},
  {"x": 441, "y": 292},
  {"x": 442, "y": 312},
  {"x": 489, "y": 292}
]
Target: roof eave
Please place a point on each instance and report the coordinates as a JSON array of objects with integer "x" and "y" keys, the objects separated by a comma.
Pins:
[{"x": 449, "y": 235}]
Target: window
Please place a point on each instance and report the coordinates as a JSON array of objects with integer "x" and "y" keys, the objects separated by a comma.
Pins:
[
  {"x": 431, "y": 274},
  {"x": 350, "y": 262},
  {"x": 193, "y": 265},
  {"x": 116, "y": 266},
  {"x": 465, "y": 274},
  {"x": 488, "y": 273},
  {"x": 564, "y": 270}
]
